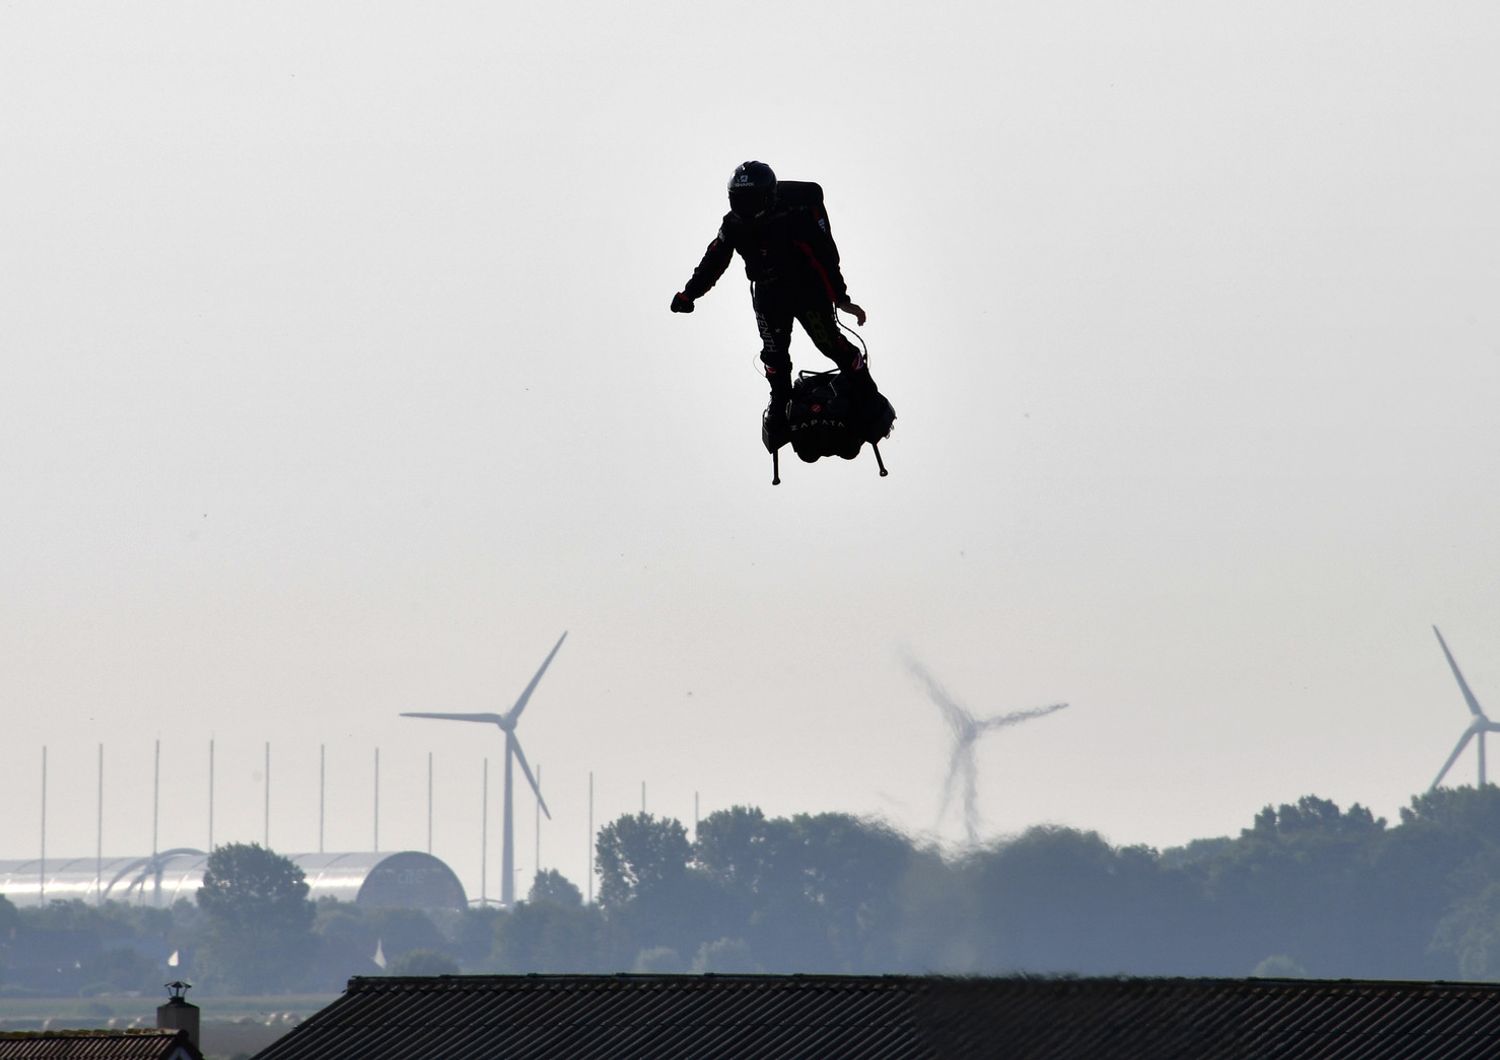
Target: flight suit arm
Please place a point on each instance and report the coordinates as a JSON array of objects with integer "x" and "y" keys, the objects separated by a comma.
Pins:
[{"x": 715, "y": 260}]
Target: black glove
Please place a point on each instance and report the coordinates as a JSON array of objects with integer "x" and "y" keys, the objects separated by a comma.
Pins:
[{"x": 681, "y": 303}]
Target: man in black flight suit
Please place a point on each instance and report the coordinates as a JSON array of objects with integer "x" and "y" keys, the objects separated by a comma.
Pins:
[{"x": 781, "y": 231}]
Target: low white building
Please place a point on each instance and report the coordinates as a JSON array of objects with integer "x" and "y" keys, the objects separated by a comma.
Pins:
[{"x": 407, "y": 879}]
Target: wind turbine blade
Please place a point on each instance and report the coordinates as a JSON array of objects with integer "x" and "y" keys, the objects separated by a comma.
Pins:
[
  {"x": 1468, "y": 696},
  {"x": 526, "y": 769},
  {"x": 957, "y": 717},
  {"x": 954, "y": 764},
  {"x": 971, "y": 795},
  {"x": 515, "y": 711},
  {"x": 1463, "y": 742},
  {"x": 1000, "y": 721},
  {"x": 493, "y": 719}
]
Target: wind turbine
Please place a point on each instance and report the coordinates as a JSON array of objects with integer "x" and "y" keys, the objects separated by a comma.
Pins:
[
  {"x": 1478, "y": 727},
  {"x": 966, "y": 732},
  {"x": 507, "y": 724}
]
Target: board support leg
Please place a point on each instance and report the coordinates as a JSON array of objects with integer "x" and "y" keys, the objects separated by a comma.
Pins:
[
  {"x": 776, "y": 467},
  {"x": 875, "y": 448}
]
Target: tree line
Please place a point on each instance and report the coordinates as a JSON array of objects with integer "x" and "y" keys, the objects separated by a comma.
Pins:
[{"x": 1306, "y": 889}]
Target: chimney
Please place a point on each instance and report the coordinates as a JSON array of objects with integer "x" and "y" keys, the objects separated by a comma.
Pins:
[{"x": 178, "y": 1014}]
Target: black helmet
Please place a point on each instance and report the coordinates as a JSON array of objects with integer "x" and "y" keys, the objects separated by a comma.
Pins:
[{"x": 752, "y": 190}]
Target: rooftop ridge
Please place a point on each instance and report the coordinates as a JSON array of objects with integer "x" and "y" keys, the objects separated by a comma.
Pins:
[
  {"x": 376, "y": 982},
  {"x": 781, "y": 1017}
]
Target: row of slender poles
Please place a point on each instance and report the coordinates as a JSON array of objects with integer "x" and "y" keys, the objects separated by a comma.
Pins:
[{"x": 322, "y": 790}]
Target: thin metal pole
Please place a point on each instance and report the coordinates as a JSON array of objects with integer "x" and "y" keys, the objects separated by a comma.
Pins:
[
  {"x": 210, "y": 794},
  {"x": 156, "y": 800},
  {"x": 322, "y": 789},
  {"x": 484, "y": 837},
  {"x": 41, "y": 889},
  {"x": 643, "y": 798},
  {"x": 266, "y": 824},
  {"x": 695, "y": 817},
  {"x": 377, "y": 800},
  {"x": 508, "y": 829},
  {"x": 99, "y": 836},
  {"x": 591, "y": 837},
  {"x": 537, "y": 867},
  {"x": 429, "y": 802}
]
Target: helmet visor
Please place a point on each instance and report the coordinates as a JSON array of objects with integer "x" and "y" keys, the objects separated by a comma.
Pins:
[{"x": 751, "y": 201}]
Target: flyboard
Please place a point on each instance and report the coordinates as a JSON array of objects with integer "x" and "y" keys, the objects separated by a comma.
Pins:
[{"x": 829, "y": 415}]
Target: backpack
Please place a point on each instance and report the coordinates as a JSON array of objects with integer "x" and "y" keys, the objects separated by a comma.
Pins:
[{"x": 800, "y": 195}]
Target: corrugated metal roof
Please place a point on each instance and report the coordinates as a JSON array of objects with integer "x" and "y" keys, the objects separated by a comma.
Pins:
[
  {"x": 772, "y": 1017},
  {"x": 96, "y": 1045}
]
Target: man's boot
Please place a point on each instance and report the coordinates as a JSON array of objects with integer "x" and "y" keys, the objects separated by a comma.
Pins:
[
  {"x": 774, "y": 431},
  {"x": 875, "y": 413}
]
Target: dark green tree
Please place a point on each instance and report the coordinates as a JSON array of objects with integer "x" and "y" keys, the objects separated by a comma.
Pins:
[
  {"x": 1436, "y": 872},
  {"x": 658, "y": 960},
  {"x": 1466, "y": 811},
  {"x": 725, "y": 957},
  {"x": 403, "y": 930},
  {"x": 548, "y": 937},
  {"x": 92, "y": 948},
  {"x": 851, "y": 873},
  {"x": 73, "y": 916},
  {"x": 245, "y": 884},
  {"x": 472, "y": 935},
  {"x": 1297, "y": 884},
  {"x": 258, "y": 919},
  {"x": 817, "y": 892},
  {"x": 423, "y": 962},
  {"x": 10, "y": 924},
  {"x": 639, "y": 854},
  {"x": 650, "y": 893},
  {"x": 345, "y": 944},
  {"x": 1470, "y": 933},
  {"x": 1059, "y": 900},
  {"x": 734, "y": 847},
  {"x": 552, "y": 886},
  {"x": 118, "y": 969},
  {"x": 737, "y": 851},
  {"x": 1043, "y": 898}
]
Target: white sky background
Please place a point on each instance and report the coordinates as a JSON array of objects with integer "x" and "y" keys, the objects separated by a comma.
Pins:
[{"x": 338, "y": 380}]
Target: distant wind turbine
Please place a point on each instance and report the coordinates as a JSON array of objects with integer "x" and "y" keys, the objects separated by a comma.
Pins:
[
  {"x": 1478, "y": 727},
  {"x": 966, "y": 732},
  {"x": 507, "y": 723}
]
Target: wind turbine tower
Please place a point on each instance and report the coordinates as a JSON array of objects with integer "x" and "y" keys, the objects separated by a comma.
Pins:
[
  {"x": 513, "y": 753},
  {"x": 1478, "y": 727},
  {"x": 967, "y": 729}
]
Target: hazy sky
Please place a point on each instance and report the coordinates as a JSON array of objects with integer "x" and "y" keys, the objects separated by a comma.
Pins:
[{"x": 338, "y": 380}]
